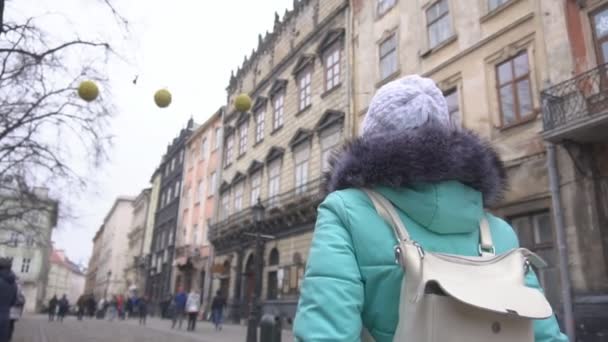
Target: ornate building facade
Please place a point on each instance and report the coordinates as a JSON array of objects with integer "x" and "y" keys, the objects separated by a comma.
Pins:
[
  {"x": 276, "y": 152},
  {"x": 193, "y": 253}
]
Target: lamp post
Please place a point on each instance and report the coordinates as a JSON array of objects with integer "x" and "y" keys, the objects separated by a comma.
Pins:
[
  {"x": 256, "y": 307},
  {"x": 109, "y": 274}
]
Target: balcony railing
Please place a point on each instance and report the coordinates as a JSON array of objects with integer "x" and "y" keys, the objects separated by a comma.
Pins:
[
  {"x": 305, "y": 196},
  {"x": 573, "y": 107}
]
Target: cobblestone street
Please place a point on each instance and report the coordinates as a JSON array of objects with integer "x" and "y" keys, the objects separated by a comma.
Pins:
[{"x": 38, "y": 329}]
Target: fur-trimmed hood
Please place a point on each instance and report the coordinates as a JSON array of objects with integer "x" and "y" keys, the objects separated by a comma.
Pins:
[{"x": 425, "y": 155}]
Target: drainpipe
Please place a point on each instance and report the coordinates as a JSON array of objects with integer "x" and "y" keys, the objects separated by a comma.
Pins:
[
  {"x": 560, "y": 232},
  {"x": 351, "y": 115}
]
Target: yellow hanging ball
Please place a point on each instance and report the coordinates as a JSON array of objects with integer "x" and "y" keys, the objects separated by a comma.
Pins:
[
  {"x": 88, "y": 91},
  {"x": 162, "y": 98},
  {"x": 242, "y": 102}
]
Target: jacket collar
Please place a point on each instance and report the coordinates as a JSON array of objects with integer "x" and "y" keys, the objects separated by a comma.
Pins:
[{"x": 424, "y": 155}]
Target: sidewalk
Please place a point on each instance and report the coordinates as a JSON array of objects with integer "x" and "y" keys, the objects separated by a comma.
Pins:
[{"x": 205, "y": 331}]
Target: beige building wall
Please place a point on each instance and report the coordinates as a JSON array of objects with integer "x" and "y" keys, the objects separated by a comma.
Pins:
[
  {"x": 114, "y": 247},
  {"x": 134, "y": 273},
  {"x": 311, "y": 38}
]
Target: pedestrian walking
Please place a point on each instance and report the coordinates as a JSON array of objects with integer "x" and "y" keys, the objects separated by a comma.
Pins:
[
  {"x": 64, "y": 307},
  {"x": 120, "y": 307},
  {"x": 142, "y": 307},
  {"x": 409, "y": 167},
  {"x": 8, "y": 296},
  {"x": 217, "y": 309},
  {"x": 193, "y": 305},
  {"x": 179, "y": 305},
  {"x": 113, "y": 309},
  {"x": 53, "y": 308},
  {"x": 101, "y": 308},
  {"x": 129, "y": 307},
  {"x": 81, "y": 306},
  {"x": 16, "y": 310},
  {"x": 91, "y": 305}
]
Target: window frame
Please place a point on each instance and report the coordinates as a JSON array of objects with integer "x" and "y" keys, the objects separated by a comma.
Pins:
[
  {"x": 274, "y": 181},
  {"x": 229, "y": 149},
  {"x": 26, "y": 265},
  {"x": 218, "y": 140},
  {"x": 382, "y": 11},
  {"x": 304, "y": 90},
  {"x": 382, "y": 57},
  {"x": 278, "y": 116},
  {"x": 243, "y": 131},
  {"x": 454, "y": 91},
  {"x": 499, "y": 5},
  {"x": 204, "y": 148},
  {"x": 301, "y": 168},
  {"x": 256, "y": 187},
  {"x": 519, "y": 119},
  {"x": 259, "y": 125},
  {"x": 239, "y": 194},
  {"x": 598, "y": 41},
  {"x": 213, "y": 182},
  {"x": 336, "y": 64},
  {"x": 435, "y": 21}
]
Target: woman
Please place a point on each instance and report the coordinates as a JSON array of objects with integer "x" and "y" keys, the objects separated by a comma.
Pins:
[
  {"x": 193, "y": 304},
  {"x": 142, "y": 307},
  {"x": 438, "y": 177},
  {"x": 217, "y": 309}
]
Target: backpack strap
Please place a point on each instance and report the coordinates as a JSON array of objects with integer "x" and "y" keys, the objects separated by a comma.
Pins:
[
  {"x": 388, "y": 213},
  {"x": 486, "y": 247}
]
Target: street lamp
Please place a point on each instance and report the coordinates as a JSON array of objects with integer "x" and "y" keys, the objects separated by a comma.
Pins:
[
  {"x": 256, "y": 307},
  {"x": 109, "y": 274}
]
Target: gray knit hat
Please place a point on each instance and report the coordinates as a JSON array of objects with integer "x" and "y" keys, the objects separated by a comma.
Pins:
[{"x": 406, "y": 104}]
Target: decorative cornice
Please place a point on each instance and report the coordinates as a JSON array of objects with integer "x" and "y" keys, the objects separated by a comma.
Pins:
[
  {"x": 255, "y": 165},
  {"x": 303, "y": 62},
  {"x": 331, "y": 37},
  {"x": 274, "y": 153},
  {"x": 302, "y": 135},
  {"x": 328, "y": 119}
]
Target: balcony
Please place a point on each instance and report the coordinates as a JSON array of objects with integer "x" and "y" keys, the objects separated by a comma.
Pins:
[
  {"x": 290, "y": 211},
  {"x": 577, "y": 109}
]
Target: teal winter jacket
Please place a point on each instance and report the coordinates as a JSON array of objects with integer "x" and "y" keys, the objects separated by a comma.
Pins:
[{"x": 352, "y": 281}]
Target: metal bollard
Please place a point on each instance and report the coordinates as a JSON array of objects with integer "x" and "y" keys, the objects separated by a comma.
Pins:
[{"x": 270, "y": 328}]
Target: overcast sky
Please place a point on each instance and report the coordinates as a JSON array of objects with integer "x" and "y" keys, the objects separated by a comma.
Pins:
[{"x": 188, "y": 46}]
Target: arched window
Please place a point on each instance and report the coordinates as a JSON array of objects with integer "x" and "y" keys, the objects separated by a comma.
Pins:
[{"x": 274, "y": 257}]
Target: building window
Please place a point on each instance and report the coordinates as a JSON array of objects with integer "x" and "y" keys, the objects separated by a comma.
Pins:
[
  {"x": 197, "y": 236},
  {"x": 438, "y": 23},
  {"x": 301, "y": 156},
  {"x": 14, "y": 239},
  {"x": 170, "y": 238},
  {"x": 278, "y": 104},
  {"x": 259, "y": 125},
  {"x": 199, "y": 192},
  {"x": 600, "y": 30},
  {"x": 204, "y": 149},
  {"x": 213, "y": 182},
  {"x": 170, "y": 194},
  {"x": 305, "y": 88},
  {"x": 218, "y": 137},
  {"x": 329, "y": 141},
  {"x": 30, "y": 241},
  {"x": 535, "y": 232},
  {"x": 243, "y": 138},
  {"x": 494, "y": 4},
  {"x": 332, "y": 68},
  {"x": 238, "y": 196},
  {"x": 225, "y": 205},
  {"x": 273, "y": 281},
  {"x": 256, "y": 187},
  {"x": 176, "y": 194},
  {"x": 173, "y": 163},
  {"x": 385, "y": 5},
  {"x": 451, "y": 98},
  {"x": 229, "y": 149},
  {"x": 514, "y": 89},
  {"x": 274, "y": 181},
  {"x": 25, "y": 265},
  {"x": 181, "y": 156},
  {"x": 388, "y": 57}
]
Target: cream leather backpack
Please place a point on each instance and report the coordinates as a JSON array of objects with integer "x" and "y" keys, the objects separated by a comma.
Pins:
[{"x": 446, "y": 297}]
